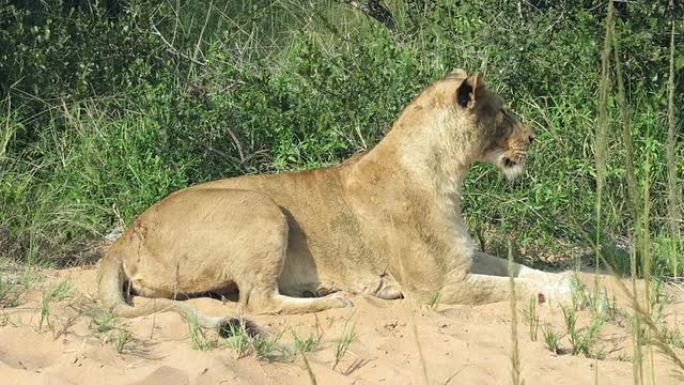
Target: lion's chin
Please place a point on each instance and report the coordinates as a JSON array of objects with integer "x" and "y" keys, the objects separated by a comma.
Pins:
[
  {"x": 513, "y": 172},
  {"x": 511, "y": 169}
]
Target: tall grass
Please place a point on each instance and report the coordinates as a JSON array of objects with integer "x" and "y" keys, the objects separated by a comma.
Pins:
[
  {"x": 515, "y": 351},
  {"x": 632, "y": 192},
  {"x": 600, "y": 137},
  {"x": 673, "y": 181},
  {"x": 640, "y": 203}
]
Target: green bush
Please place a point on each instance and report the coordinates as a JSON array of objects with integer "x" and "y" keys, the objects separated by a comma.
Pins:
[{"x": 106, "y": 110}]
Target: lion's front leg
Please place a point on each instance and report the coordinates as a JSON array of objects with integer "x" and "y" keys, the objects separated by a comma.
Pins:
[
  {"x": 487, "y": 264},
  {"x": 382, "y": 286},
  {"x": 488, "y": 281},
  {"x": 385, "y": 287}
]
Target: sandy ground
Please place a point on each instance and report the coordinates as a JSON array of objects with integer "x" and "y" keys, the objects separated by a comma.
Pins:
[{"x": 395, "y": 342}]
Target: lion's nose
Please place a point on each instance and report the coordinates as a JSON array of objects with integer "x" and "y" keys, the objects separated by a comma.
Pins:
[{"x": 532, "y": 137}]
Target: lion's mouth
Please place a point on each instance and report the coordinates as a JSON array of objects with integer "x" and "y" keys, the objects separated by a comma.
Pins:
[{"x": 509, "y": 163}]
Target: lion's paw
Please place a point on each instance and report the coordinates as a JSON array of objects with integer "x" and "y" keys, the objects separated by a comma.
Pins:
[
  {"x": 554, "y": 288},
  {"x": 342, "y": 298}
]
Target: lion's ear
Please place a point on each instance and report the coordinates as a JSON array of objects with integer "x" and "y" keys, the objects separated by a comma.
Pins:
[{"x": 467, "y": 93}]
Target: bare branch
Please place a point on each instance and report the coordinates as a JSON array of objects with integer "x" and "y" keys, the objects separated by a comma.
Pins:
[
  {"x": 173, "y": 49},
  {"x": 374, "y": 9}
]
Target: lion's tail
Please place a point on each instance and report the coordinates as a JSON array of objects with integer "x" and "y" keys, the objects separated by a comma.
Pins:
[{"x": 110, "y": 279}]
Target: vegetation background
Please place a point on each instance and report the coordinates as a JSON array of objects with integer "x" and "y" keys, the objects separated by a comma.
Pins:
[{"x": 108, "y": 106}]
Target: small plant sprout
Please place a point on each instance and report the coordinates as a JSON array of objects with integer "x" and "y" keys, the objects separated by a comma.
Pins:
[
  {"x": 306, "y": 345},
  {"x": 198, "y": 339},
  {"x": 584, "y": 341},
  {"x": 580, "y": 295},
  {"x": 588, "y": 342},
  {"x": 244, "y": 342},
  {"x": 62, "y": 291},
  {"x": 348, "y": 336},
  {"x": 58, "y": 293},
  {"x": 122, "y": 337},
  {"x": 570, "y": 317},
  {"x": 532, "y": 318},
  {"x": 607, "y": 307},
  {"x": 104, "y": 322},
  {"x": 552, "y": 338},
  {"x": 434, "y": 301},
  {"x": 239, "y": 339},
  {"x": 673, "y": 336},
  {"x": 9, "y": 293},
  {"x": 269, "y": 349},
  {"x": 45, "y": 311}
]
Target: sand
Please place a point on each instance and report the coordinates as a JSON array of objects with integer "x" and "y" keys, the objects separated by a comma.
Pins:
[{"x": 395, "y": 342}]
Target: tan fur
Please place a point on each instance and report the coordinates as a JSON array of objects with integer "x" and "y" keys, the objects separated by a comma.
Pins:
[{"x": 386, "y": 223}]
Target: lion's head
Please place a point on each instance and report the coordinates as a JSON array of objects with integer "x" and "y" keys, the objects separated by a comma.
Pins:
[{"x": 504, "y": 139}]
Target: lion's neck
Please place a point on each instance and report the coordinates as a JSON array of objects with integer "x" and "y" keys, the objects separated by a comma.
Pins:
[
  {"x": 415, "y": 156},
  {"x": 414, "y": 177}
]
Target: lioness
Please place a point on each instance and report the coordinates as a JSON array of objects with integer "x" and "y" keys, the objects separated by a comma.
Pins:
[{"x": 386, "y": 223}]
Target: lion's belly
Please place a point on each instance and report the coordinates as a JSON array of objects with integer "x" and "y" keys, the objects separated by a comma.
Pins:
[{"x": 331, "y": 258}]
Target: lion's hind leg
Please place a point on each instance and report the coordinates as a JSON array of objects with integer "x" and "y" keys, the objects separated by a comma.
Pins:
[
  {"x": 259, "y": 291},
  {"x": 263, "y": 296},
  {"x": 256, "y": 271},
  {"x": 271, "y": 301}
]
